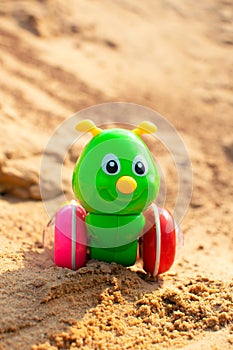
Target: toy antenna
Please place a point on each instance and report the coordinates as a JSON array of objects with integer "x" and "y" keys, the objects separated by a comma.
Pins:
[
  {"x": 145, "y": 128},
  {"x": 88, "y": 126}
]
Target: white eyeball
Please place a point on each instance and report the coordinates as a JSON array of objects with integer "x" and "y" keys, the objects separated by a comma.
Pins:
[
  {"x": 111, "y": 164},
  {"x": 140, "y": 166}
]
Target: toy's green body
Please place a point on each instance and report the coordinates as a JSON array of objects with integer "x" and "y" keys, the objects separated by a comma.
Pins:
[
  {"x": 114, "y": 237},
  {"x": 115, "y": 180}
]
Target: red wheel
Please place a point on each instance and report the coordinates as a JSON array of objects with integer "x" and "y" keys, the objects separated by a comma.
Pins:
[
  {"x": 159, "y": 241},
  {"x": 70, "y": 237}
]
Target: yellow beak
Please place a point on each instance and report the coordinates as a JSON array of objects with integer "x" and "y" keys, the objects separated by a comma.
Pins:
[{"x": 126, "y": 185}]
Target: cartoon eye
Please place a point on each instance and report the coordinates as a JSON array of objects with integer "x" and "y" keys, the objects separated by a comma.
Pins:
[
  {"x": 140, "y": 166},
  {"x": 111, "y": 164}
]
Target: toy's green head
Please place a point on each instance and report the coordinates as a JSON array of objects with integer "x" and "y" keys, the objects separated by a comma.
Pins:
[{"x": 116, "y": 173}]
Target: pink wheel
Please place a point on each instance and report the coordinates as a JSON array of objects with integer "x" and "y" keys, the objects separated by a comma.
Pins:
[
  {"x": 70, "y": 237},
  {"x": 159, "y": 241}
]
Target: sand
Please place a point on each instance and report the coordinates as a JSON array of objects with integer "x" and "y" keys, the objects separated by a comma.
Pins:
[{"x": 60, "y": 57}]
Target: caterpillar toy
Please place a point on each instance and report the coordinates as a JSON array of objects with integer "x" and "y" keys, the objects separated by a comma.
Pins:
[{"x": 115, "y": 219}]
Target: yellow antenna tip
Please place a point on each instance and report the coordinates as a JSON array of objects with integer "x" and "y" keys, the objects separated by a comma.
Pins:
[
  {"x": 88, "y": 126},
  {"x": 145, "y": 128}
]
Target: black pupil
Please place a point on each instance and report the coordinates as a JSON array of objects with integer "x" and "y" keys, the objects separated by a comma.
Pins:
[
  {"x": 112, "y": 167},
  {"x": 140, "y": 168}
]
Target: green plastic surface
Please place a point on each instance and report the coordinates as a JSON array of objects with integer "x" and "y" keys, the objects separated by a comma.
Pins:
[
  {"x": 97, "y": 190},
  {"x": 114, "y": 238}
]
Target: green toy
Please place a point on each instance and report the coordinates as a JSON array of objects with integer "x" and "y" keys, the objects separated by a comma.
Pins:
[{"x": 115, "y": 180}]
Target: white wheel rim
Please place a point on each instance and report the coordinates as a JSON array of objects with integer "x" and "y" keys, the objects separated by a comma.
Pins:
[
  {"x": 73, "y": 253},
  {"x": 157, "y": 239}
]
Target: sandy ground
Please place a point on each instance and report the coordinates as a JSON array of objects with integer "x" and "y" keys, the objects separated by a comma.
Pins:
[{"x": 59, "y": 57}]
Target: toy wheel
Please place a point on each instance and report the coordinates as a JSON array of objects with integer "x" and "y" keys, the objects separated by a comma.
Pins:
[
  {"x": 159, "y": 241},
  {"x": 70, "y": 237}
]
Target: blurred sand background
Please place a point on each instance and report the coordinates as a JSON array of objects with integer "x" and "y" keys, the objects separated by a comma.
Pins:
[{"x": 57, "y": 57}]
